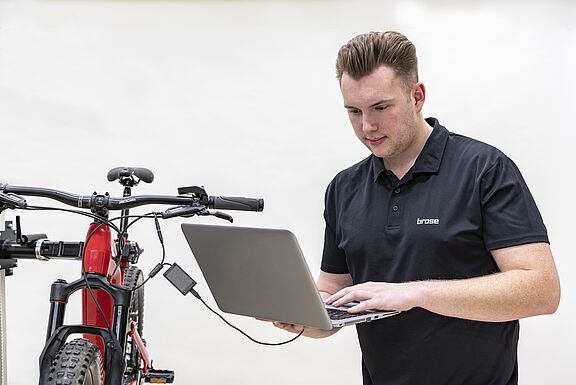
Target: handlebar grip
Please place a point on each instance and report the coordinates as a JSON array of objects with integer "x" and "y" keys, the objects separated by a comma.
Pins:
[{"x": 235, "y": 203}]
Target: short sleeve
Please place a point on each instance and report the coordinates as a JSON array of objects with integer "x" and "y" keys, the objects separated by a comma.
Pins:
[
  {"x": 333, "y": 258},
  {"x": 510, "y": 216}
]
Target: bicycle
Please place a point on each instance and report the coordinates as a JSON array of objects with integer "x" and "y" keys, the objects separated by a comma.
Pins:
[{"x": 111, "y": 351}]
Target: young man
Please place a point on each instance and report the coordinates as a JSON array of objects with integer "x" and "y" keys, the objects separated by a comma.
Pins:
[{"x": 435, "y": 224}]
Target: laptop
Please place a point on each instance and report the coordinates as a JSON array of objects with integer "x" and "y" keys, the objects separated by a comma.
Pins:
[{"x": 262, "y": 273}]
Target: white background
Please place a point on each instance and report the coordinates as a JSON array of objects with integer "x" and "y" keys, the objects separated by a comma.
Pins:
[{"x": 241, "y": 97}]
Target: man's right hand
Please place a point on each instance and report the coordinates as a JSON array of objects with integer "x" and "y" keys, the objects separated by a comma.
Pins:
[{"x": 308, "y": 331}]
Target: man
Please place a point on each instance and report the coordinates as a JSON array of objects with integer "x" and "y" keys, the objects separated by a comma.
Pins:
[{"x": 435, "y": 224}]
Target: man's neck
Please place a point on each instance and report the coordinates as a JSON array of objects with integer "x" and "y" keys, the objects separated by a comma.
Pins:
[{"x": 402, "y": 163}]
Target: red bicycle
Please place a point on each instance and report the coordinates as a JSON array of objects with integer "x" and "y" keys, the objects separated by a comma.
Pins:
[{"x": 111, "y": 351}]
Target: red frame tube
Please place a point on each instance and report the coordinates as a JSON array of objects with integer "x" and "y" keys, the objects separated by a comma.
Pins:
[
  {"x": 147, "y": 362},
  {"x": 99, "y": 258}
]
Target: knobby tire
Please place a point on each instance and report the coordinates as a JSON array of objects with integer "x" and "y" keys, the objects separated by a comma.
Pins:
[{"x": 78, "y": 362}]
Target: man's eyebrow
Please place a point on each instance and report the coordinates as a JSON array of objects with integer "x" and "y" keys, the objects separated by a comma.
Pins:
[{"x": 382, "y": 101}]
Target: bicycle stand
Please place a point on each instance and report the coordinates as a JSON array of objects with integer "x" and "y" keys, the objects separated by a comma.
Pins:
[
  {"x": 6, "y": 266},
  {"x": 3, "y": 358}
]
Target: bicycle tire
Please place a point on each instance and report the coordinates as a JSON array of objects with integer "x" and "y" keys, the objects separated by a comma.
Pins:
[
  {"x": 78, "y": 362},
  {"x": 133, "y": 277}
]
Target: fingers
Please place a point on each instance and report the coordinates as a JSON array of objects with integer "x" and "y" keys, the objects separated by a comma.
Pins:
[
  {"x": 338, "y": 295},
  {"x": 373, "y": 296},
  {"x": 363, "y": 306},
  {"x": 357, "y": 292},
  {"x": 366, "y": 294},
  {"x": 288, "y": 327},
  {"x": 347, "y": 295}
]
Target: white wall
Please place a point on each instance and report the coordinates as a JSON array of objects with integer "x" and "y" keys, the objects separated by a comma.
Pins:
[{"x": 240, "y": 96}]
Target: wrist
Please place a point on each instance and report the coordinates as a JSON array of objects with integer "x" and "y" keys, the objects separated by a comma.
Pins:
[{"x": 420, "y": 293}]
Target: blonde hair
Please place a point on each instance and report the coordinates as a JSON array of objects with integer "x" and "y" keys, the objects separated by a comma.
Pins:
[{"x": 364, "y": 53}]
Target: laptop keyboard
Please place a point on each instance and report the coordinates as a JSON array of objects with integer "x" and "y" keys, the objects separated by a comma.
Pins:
[{"x": 339, "y": 315}]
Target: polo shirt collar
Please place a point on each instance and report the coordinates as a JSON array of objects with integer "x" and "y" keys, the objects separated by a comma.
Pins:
[{"x": 430, "y": 157}]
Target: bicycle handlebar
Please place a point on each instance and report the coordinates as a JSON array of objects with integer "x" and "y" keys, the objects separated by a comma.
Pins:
[{"x": 96, "y": 201}]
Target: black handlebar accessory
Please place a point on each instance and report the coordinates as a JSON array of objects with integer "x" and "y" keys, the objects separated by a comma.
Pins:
[
  {"x": 236, "y": 203},
  {"x": 197, "y": 192},
  {"x": 125, "y": 174},
  {"x": 11, "y": 201}
]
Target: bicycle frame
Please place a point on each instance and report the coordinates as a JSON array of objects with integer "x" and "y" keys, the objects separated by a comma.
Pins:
[{"x": 107, "y": 321}]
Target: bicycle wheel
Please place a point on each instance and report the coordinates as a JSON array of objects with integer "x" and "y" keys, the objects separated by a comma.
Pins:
[
  {"x": 132, "y": 278},
  {"x": 78, "y": 362}
]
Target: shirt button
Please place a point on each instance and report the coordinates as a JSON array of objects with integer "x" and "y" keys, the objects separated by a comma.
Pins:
[
  {"x": 397, "y": 191},
  {"x": 394, "y": 208}
]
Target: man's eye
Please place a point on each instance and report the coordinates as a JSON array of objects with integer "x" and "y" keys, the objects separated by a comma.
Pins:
[
  {"x": 353, "y": 111},
  {"x": 381, "y": 108}
]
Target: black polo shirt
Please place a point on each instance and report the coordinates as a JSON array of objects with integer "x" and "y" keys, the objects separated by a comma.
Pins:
[{"x": 460, "y": 200}]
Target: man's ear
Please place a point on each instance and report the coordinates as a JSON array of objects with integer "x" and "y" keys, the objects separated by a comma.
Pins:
[{"x": 419, "y": 95}]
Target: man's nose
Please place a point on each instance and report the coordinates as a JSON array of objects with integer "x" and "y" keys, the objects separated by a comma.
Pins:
[{"x": 368, "y": 125}]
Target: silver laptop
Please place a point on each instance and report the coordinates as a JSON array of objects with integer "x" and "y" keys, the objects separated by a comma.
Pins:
[{"x": 262, "y": 273}]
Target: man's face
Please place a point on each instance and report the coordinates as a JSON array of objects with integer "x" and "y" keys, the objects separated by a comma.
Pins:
[{"x": 382, "y": 111}]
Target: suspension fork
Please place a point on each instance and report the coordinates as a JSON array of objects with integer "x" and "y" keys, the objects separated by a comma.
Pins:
[{"x": 61, "y": 291}]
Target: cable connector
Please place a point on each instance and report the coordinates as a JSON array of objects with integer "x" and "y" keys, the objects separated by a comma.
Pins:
[
  {"x": 155, "y": 270},
  {"x": 158, "y": 229},
  {"x": 181, "y": 280}
]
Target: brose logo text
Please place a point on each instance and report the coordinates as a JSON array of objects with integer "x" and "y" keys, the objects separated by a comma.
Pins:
[{"x": 427, "y": 221}]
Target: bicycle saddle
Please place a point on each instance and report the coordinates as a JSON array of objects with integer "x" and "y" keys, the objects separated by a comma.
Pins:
[{"x": 143, "y": 174}]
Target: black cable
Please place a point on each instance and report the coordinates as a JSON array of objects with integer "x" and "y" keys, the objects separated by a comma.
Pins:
[
  {"x": 185, "y": 284},
  {"x": 151, "y": 275},
  {"x": 120, "y": 234},
  {"x": 86, "y": 214},
  {"x": 154, "y": 271},
  {"x": 241, "y": 331},
  {"x": 161, "y": 264}
]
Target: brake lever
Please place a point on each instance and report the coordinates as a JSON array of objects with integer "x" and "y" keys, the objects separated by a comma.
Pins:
[
  {"x": 190, "y": 211},
  {"x": 217, "y": 214},
  {"x": 182, "y": 211},
  {"x": 12, "y": 201},
  {"x": 221, "y": 215}
]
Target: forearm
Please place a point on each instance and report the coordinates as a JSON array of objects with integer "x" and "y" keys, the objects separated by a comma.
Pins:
[
  {"x": 527, "y": 285},
  {"x": 497, "y": 297}
]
